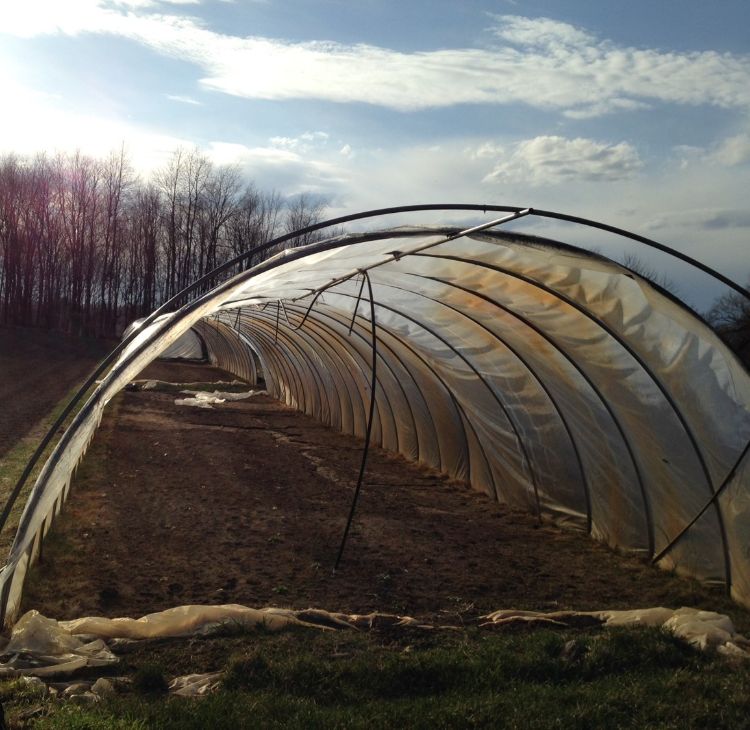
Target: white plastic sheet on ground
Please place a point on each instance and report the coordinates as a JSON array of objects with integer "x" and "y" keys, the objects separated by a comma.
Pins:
[
  {"x": 705, "y": 630},
  {"x": 43, "y": 647},
  {"x": 204, "y": 399}
]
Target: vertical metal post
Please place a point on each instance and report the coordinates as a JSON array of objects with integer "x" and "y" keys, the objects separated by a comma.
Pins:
[
  {"x": 356, "y": 306},
  {"x": 369, "y": 423}
]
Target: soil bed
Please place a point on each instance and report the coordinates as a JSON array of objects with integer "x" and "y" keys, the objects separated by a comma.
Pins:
[{"x": 246, "y": 503}]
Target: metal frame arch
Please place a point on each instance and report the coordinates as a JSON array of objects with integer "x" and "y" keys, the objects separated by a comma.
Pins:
[
  {"x": 595, "y": 389},
  {"x": 337, "y": 340},
  {"x": 530, "y": 370},
  {"x": 233, "y": 356},
  {"x": 346, "y": 378},
  {"x": 322, "y": 398},
  {"x": 462, "y": 419},
  {"x": 644, "y": 366},
  {"x": 294, "y": 366},
  {"x": 346, "y": 409},
  {"x": 288, "y": 376},
  {"x": 329, "y": 381},
  {"x": 591, "y": 384},
  {"x": 511, "y": 421},
  {"x": 388, "y": 363},
  {"x": 260, "y": 366},
  {"x": 341, "y": 318},
  {"x": 341, "y": 346},
  {"x": 204, "y": 348},
  {"x": 460, "y": 415},
  {"x": 460, "y": 412},
  {"x": 283, "y": 381},
  {"x": 314, "y": 374}
]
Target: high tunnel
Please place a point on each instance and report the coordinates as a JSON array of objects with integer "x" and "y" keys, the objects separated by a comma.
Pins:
[{"x": 551, "y": 378}]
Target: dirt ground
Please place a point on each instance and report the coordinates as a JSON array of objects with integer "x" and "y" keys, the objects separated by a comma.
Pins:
[
  {"x": 246, "y": 503},
  {"x": 37, "y": 369}
]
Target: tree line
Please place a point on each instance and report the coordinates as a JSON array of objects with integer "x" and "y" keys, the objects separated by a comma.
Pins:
[{"x": 86, "y": 245}]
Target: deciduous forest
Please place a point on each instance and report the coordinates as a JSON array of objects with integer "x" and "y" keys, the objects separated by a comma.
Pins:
[{"x": 86, "y": 245}]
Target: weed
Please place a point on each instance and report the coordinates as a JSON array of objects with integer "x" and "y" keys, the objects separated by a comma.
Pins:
[
  {"x": 150, "y": 679},
  {"x": 248, "y": 672}
]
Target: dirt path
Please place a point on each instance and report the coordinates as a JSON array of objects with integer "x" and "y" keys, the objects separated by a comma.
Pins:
[
  {"x": 246, "y": 503},
  {"x": 37, "y": 370}
]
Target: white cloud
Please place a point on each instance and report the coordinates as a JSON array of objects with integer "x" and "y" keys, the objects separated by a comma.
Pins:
[
  {"x": 184, "y": 99},
  {"x": 540, "y": 62},
  {"x": 549, "y": 160},
  {"x": 732, "y": 151},
  {"x": 728, "y": 152},
  {"x": 701, "y": 219},
  {"x": 304, "y": 143},
  {"x": 347, "y": 151},
  {"x": 541, "y": 32},
  {"x": 281, "y": 168}
]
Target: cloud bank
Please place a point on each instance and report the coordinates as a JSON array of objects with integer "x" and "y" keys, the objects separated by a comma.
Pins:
[
  {"x": 551, "y": 159},
  {"x": 539, "y": 62}
]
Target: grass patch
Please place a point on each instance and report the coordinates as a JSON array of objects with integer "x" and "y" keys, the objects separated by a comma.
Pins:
[
  {"x": 150, "y": 679},
  {"x": 627, "y": 678}
]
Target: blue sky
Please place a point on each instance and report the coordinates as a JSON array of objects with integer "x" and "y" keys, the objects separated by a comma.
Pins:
[{"x": 636, "y": 113}]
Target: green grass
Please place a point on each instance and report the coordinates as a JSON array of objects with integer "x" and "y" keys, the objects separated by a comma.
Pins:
[{"x": 627, "y": 678}]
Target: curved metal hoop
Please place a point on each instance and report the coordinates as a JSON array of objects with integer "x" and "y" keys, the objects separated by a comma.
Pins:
[{"x": 375, "y": 213}]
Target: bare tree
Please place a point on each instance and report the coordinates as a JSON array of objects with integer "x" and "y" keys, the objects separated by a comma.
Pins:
[
  {"x": 118, "y": 178},
  {"x": 219, "y": 203},
  {"x": 86, "y": 246},
  {"x": 730, "y": 317},
  {"x": 304, "y": 210},
  {"x": 254, "y": 223}
]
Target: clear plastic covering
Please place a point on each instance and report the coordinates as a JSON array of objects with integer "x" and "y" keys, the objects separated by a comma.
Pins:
[
  {"x": 548, "y": 377},
  {"x": 188, "y": 347}
]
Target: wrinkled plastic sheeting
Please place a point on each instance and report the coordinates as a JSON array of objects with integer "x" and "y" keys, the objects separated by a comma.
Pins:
[
  {"x": 704, "y": 630},
  {"x": 42, "y": 647},
  {"x": 181, "y": 621},
  {"x": 203, "y": 399},
  {"x": 187, "y": 347},
  {"x": 228, "y": 350},
  {"x": 548, "y": 377},
  {"x": 195, "y": 685}
]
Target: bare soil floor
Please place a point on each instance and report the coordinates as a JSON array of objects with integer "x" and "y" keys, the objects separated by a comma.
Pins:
[
  {"x": 246, "y": 504},
  {"x": 37, "y": 369}
]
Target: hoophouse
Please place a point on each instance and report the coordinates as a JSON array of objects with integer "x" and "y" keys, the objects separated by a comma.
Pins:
[{"x": 547, "y": 376}]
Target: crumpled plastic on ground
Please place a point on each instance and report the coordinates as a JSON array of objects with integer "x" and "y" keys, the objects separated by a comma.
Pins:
[
  {"x": 195, "y": 685},
  {"x": 705, "y": 630},
  {"x": 169, "y": 386},
  {"x": 44, "y": 647},
  {"x": 203, "y": 399},
  {"x": 39, "y": 646}
]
